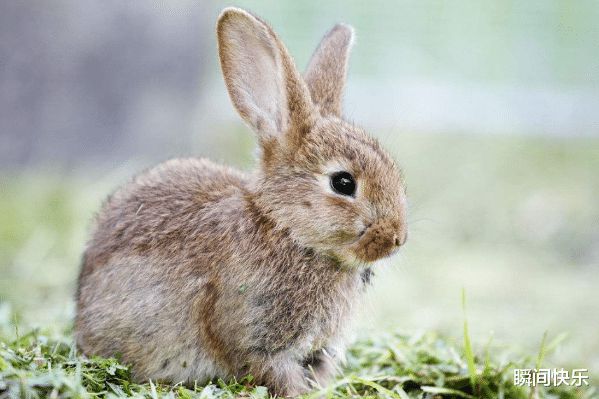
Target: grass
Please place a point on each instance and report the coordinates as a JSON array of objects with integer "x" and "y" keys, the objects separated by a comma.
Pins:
[
  {"x": 393, "y": 365},
  {"x": 468, "y": 353}
]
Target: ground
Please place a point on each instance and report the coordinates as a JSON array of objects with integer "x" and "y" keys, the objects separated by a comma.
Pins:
[{"x": 35, "y": 365}]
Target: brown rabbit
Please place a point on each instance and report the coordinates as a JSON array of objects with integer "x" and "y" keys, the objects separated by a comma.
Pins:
[{"x": 196, "y": 270}]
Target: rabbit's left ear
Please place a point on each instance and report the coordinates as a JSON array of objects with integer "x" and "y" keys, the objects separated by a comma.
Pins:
[
  {"x": 263, "y": 83},
  {"x": 326, "y": 72}
]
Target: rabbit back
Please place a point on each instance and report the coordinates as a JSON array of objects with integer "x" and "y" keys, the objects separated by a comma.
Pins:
[{"x": 147, "y": 264}]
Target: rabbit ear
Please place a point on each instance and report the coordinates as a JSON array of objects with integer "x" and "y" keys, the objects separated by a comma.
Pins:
[
  {"x": 326, "y": 72},
  {"x": 263, "y": 83}
]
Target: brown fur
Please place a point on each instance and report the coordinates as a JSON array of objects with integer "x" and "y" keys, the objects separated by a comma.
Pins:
[
  {"x": 196, "y": 271},
  {"x": 327, "y": 70}
]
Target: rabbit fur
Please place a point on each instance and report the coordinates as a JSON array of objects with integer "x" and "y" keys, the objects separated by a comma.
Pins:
[{"x": 197, "y": 271}]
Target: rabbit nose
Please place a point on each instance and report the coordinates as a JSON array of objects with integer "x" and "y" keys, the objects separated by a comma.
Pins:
[
  {"x": 400, "y": 238},
  {"x": 381, "y": 239}
]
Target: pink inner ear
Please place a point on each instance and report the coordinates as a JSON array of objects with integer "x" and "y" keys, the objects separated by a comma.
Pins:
[{"x": 252, "y": 71}]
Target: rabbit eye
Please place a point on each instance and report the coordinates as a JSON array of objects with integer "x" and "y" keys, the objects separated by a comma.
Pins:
[{"x": 343, "y": 183}]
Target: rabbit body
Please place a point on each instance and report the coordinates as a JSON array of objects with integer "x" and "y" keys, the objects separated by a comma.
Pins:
[
  {"x": 198, "y": 271},
  {"x": 187, "y": 281}
]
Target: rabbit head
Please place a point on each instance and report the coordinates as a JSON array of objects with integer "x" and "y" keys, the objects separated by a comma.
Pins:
[{"x": 322, "y": 179}]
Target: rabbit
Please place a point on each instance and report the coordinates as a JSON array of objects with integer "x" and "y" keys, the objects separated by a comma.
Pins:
[{"x": 197, "y": 271}]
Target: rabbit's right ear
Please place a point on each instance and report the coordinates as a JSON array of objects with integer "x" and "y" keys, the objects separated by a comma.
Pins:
[
  {"x": 326, "y": 72},
  {"x": 262, "y": 81}
]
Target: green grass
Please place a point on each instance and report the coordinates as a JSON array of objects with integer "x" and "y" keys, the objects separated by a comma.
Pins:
[
  {"x": 468, "y": 353},
  {"x": 39, "y": 365}
]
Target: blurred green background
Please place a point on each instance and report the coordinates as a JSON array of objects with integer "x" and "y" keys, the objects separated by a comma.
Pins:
[{"x": 491, "y": 108}]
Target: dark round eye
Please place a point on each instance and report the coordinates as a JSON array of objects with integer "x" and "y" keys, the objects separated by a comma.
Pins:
[{"x": 343, "y": 183}]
